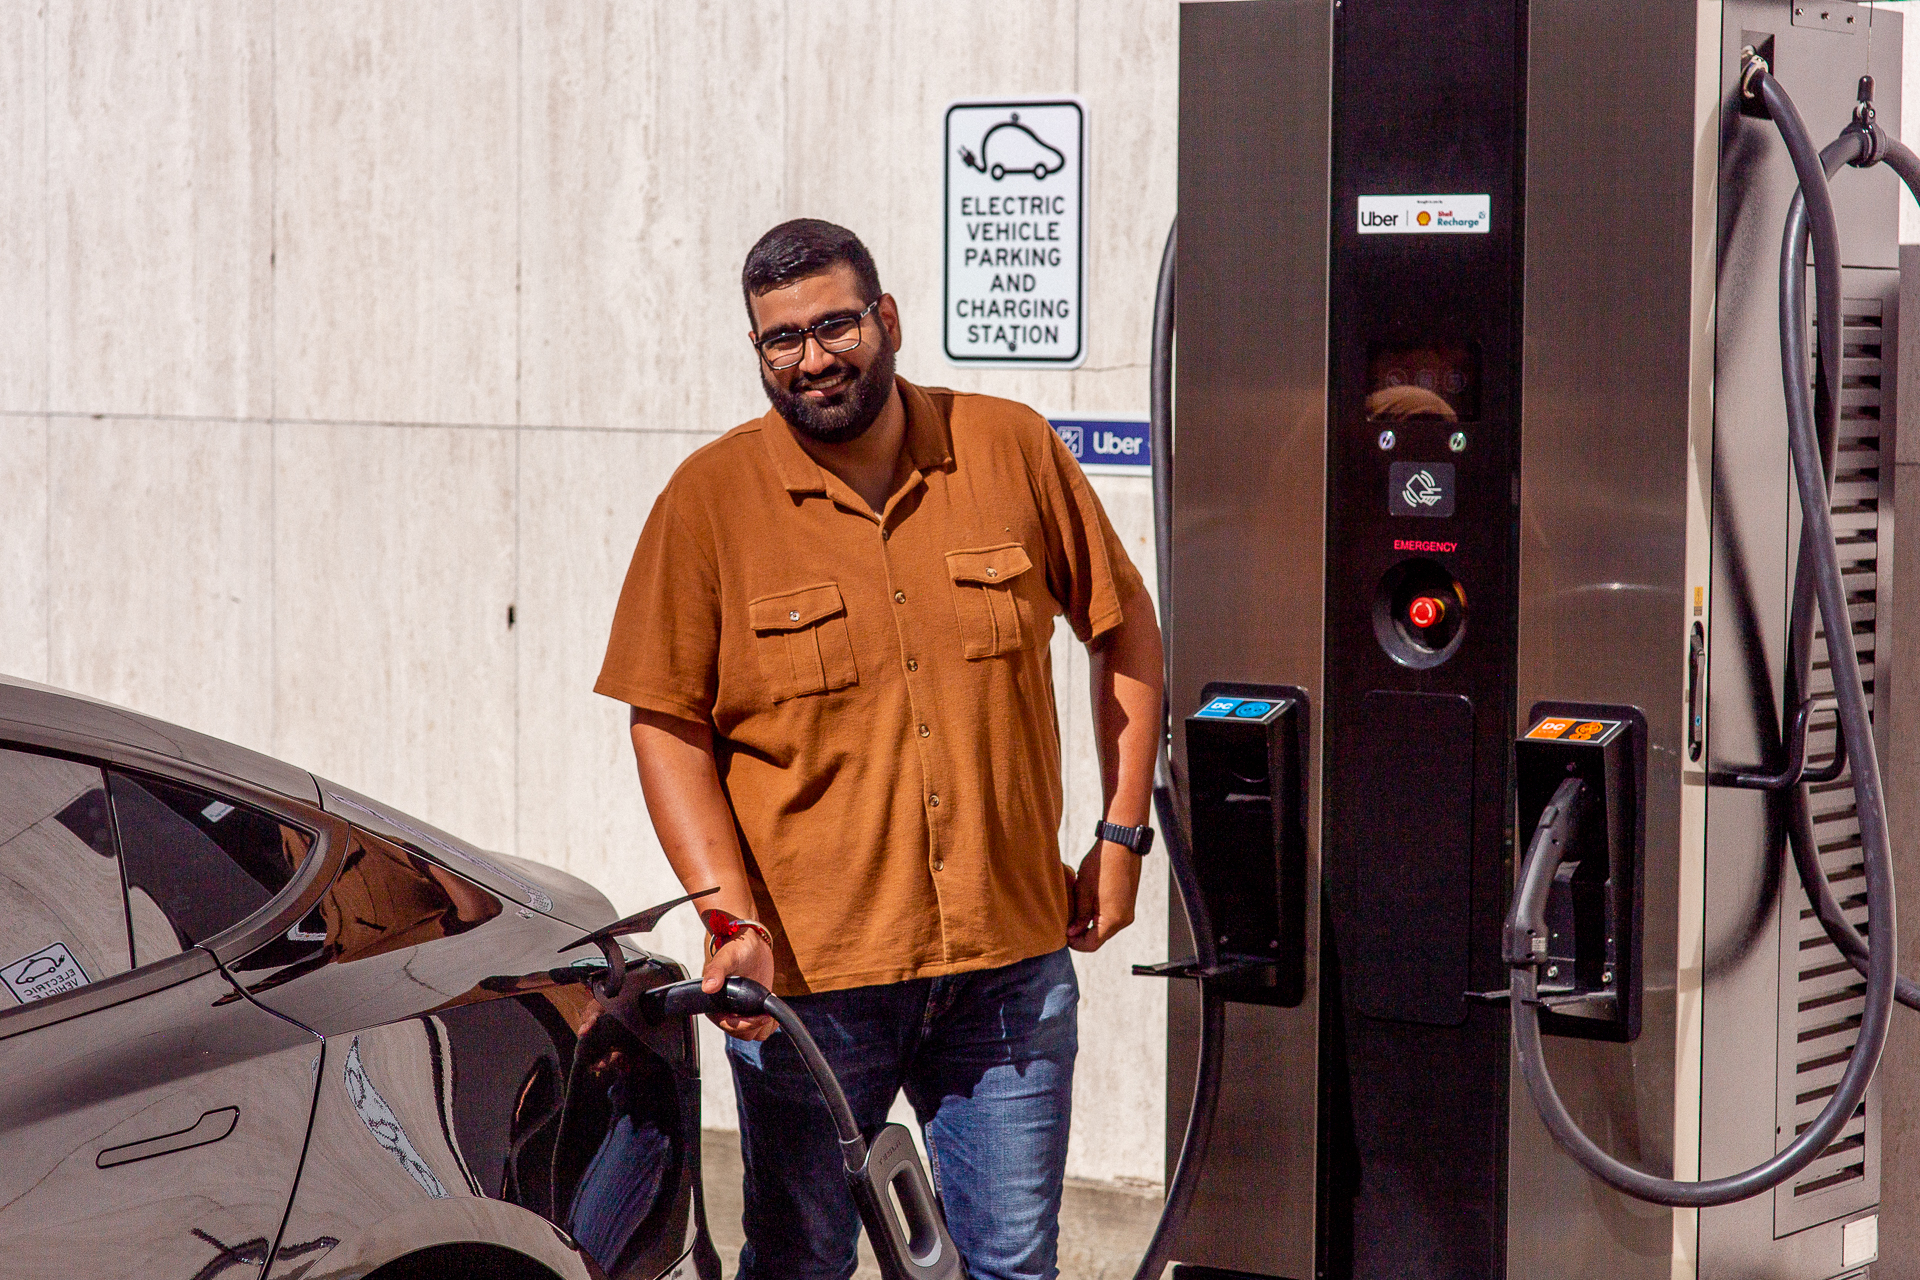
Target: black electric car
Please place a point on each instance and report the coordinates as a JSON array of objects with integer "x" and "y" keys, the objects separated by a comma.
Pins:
[{"x": 256, "y": 1025}]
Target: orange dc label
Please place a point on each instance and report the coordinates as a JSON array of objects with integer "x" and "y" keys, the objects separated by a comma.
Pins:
[{"x": 1550, "y": 729}]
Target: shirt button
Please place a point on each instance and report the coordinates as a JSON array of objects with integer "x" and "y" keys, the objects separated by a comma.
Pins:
[
  {"x": 899, "y": 597},
  {"x": 938, "y": 865},
  {"x": 793, "y": 615},
  {"x": 933, "y": 802},
  {"x": 924, "y": 731},
  {"x": 993, "y": 573},
  {"x": 886, "y": 535},
  {"x": 913, "y": 664}
]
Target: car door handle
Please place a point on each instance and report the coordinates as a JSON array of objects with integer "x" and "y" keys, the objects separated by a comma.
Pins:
[{"x": 211, "y": 1127}]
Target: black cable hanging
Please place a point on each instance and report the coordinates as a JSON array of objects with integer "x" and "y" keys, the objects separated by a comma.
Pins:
[
  {"x": 1812, "y": 218},
  {"x": 1862, "y": 145},
  {"x": 1210, "y": 1066}
]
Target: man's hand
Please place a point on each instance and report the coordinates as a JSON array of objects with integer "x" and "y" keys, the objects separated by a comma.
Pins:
[
  {"x": 1103, "y": 895},
  {"x": 746, "y": 956}
]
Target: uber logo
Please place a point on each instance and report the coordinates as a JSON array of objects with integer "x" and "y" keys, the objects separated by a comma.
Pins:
[{"x": 1107, "y": 446}]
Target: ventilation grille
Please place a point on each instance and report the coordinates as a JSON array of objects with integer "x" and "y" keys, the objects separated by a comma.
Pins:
[{"x": 1822, "y": 997}]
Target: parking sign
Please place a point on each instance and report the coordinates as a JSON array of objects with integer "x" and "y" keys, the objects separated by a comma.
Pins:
[{"x": 1016, "y": 281}]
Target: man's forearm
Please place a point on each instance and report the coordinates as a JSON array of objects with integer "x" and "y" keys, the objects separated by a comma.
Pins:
[
  {"x": 1127, "y": 697},
  {"x": 695, "y": 825},
  {"x": 689, "y": 808}
]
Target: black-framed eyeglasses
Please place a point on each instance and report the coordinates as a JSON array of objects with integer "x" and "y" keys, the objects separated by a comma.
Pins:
[{"x": 839, "y": 333}]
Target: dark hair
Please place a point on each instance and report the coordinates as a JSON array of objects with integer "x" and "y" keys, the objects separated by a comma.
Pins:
[{"x": 805, "y": 247}]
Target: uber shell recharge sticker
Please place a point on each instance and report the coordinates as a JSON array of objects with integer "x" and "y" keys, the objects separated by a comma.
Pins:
[
  {"x": 1425, "y": 215},
  {"x": 47, "y": 972}
]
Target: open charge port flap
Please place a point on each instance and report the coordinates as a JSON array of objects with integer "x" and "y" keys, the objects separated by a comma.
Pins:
[
  {"x": 1590, "y": 982},
  {"x": 1246, "y": 794}
]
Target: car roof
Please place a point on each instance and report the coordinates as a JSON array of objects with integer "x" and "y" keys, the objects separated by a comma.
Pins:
[
  {"x": 68, "y": 721},
  {"x": 37, "y": 706}
]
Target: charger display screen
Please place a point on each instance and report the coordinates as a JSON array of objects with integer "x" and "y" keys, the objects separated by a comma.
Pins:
[{"x": 1428, "y": 382}]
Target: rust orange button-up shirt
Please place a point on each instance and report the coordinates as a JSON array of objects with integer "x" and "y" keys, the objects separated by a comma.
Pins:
[{"x": 879, "y": 688}]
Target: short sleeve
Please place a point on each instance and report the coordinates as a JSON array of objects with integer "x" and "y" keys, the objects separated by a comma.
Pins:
[
  {"x": 661, "y": 655},
  {"x": 1088, "y": 570}
]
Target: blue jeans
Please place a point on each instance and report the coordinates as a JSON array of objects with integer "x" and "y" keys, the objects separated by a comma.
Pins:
[{"x": 986, "y": 1059}]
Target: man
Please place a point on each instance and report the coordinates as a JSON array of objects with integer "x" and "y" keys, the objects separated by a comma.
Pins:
[{"x": 834, "y": 638}]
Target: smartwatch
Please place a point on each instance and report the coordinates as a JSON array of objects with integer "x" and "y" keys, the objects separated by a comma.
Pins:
[{"x": 1137, "y": 840}]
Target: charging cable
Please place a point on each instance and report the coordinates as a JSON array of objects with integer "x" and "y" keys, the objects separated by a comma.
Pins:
[{"x": 1525, "y": 943}]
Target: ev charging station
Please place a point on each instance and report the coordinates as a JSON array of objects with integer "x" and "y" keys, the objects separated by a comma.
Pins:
[
  {"x": 1523, "y": 426},
  {"x": 1495, "y": 680}
]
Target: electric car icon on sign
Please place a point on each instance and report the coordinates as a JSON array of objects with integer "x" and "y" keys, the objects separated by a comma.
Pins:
[{"x": 1011, "y": 147}]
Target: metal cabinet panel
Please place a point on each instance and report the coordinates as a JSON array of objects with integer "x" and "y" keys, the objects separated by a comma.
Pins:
[{"x": 1255, "y": 84}]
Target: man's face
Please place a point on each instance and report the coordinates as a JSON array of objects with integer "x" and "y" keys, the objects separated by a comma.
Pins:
[{"x": 830, "y": 396}]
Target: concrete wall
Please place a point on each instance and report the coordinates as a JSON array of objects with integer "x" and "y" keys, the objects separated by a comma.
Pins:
[{"x": 329, "y": 332}]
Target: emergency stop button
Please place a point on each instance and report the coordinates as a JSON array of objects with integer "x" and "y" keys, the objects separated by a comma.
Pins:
[
  {"x": 1419, "y": 613},
  {"x": 1426, "y": 611}
]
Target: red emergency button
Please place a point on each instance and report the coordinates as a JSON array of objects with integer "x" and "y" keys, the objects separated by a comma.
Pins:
[{"x": 1426, "y": 611}]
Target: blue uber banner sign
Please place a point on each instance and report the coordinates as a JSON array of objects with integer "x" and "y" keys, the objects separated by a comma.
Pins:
[{"x": 1107, "y": 446}]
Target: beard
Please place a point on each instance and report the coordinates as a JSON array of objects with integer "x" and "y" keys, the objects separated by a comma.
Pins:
[{"x": 843, "y": 415}]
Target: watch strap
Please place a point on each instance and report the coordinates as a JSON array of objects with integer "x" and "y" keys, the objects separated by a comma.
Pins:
[{"x": 1137, "y": 840}]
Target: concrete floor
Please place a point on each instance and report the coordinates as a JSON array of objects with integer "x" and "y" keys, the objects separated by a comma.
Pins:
[{"x": 1103, "y": 1229}]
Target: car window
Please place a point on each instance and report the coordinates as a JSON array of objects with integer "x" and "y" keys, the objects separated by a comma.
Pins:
[
  {"x": 63, "y": 917},
  {"x": 196, "y": 863}
]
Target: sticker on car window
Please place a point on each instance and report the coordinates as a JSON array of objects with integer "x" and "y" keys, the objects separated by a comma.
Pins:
[{"x": 47, "y": 972}]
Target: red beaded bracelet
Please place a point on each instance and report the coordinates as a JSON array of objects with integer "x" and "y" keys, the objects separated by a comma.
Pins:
[{"x": 723, "y": 927}]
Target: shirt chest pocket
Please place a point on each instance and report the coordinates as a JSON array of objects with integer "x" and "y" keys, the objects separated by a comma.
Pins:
[
  {"x": 994, "y": 616},
  {"x": 802, "y": 640}
]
